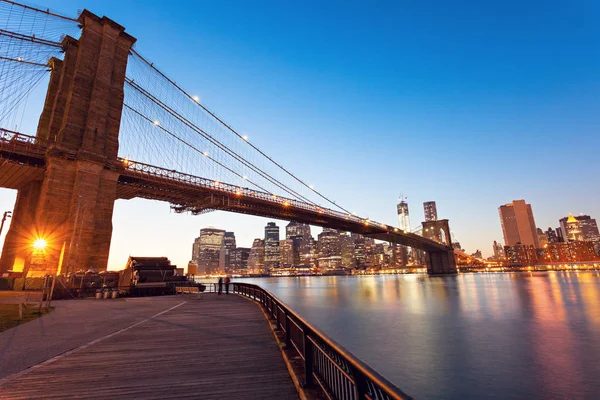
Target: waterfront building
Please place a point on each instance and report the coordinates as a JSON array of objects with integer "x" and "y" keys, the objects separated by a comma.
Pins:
[
  {"x": 359, "y": 251},
  {"x": 583, "y": 228},
  {"x": 239, "y": 260},
  {"x": 520, "y": 254},
  {"x": 271, "y": 246},
  {"x": 256, "y": 258},
  {"x": 477, "y": 254},
  {"x": 227, "y": 247},
  {"x": 328, "y": 246},
  {"x": 552, "y": 236},
  {"x": 498, "y": 251},
  {"x": 430, "y": 210},
  {"x": 297, "y": 229},
  {"x": 571, "y": 228},
  {"x": 286, "y": 253},
  {"x": 542, "y": 238},
  {"x": 347, "y": 250},
  {"x": 518, "y": 224},
  {"x": 578, "y": 251},
  {"x": 209, "y": 250}
]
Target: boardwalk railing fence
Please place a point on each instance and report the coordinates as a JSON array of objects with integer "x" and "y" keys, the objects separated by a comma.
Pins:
[{"x": 334, "y": 369}]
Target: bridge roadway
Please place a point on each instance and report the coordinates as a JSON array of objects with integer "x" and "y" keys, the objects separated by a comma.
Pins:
[
  {"x": 168, "y": 347},
  {"x": 22, "y": 160}
]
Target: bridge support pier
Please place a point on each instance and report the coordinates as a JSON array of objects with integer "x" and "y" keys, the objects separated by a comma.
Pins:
[
  {"x": 71, "y": 208},
  {"x": 440, "y": 262}
]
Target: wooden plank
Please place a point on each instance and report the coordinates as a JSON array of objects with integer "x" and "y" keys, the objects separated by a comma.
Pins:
[{"x": 212, "y": 348}]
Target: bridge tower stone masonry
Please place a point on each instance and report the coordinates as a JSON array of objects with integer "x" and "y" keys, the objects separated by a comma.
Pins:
[
  {"x": 72, "y": 207},
  {"x": 439, "y": 262}
]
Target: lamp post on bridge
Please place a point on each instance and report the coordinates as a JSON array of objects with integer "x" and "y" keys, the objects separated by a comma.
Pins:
[{"x": 7, "y": 214}]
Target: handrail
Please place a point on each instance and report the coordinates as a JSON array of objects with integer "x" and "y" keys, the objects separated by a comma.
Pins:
[{"x": 339, "y": 373}]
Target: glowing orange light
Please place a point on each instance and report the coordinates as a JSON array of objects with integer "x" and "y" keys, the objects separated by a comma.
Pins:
[{"x": 40, "y": 244}]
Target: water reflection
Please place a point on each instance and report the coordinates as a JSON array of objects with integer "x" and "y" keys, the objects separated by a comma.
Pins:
[{"x": 522, "y": 335}]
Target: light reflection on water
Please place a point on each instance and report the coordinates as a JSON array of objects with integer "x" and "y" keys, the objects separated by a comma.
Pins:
[{"x": 509, "y": 336}]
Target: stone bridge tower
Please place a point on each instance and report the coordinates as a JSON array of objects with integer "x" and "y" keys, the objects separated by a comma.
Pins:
[
  {"x": 71, "y": 207},
  {"x": 442, "y": 262}
]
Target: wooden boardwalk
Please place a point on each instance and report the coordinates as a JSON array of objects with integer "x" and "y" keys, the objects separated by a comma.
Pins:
[{"x": 216, "y": 347}]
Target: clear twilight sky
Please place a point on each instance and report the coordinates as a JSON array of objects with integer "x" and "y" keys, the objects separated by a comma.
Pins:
[{"x": 468, "y": 103}]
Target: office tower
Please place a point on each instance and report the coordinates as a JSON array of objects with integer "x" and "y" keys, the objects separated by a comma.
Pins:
[
  {"x": 297, "y": 229},
  {"x": 286, "y": 253},
  {"x": 209, "y": 250},
  {"x": 571, "y": 228},
  {"x": 581, "y": 228},
  {"x": 498, "y": 251},
  {"x": 271, "y": 246},
  {"x": 239, "y": 260},
  {"x": 225, "y": 255},
  {"x": 359, "y": 251},
  {"x": 430, "y": 211},
  {"x": 256, "y": 258},
  {"x": 329, "y": 250},
  {"x": 552, "y": 236},
  {"x": 520, "y": 254},
  {"x": 195, "y": 251},
  {"x": 347, "y": 250},
  {"x": 403, "y": 217},
  {"x": 542, "y": 238},
  {"x": 518, "y": 224}
]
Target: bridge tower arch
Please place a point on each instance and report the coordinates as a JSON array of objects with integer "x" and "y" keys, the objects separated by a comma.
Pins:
[
  {"x": 439, "y": 262},
  {"x": 71, "y": 207}
]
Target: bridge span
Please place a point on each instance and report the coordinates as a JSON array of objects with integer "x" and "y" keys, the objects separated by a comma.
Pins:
[{"x": 74, "y": 160}]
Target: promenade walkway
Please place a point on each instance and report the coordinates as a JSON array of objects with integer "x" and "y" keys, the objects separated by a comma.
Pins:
[{"x": 152, "y": 348}]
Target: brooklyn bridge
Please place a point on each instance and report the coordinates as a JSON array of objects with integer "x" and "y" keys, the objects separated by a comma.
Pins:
[{"x": 114, "y": 126}]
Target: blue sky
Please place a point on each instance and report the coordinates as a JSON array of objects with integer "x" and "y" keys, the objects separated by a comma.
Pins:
[{"x": 471, "y": 104}]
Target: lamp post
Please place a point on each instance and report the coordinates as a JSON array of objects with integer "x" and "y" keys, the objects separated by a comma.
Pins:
[{"x": 7, "y": 214}]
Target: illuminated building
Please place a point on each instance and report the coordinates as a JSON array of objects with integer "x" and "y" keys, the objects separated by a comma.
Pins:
[
  {"x": 498, "y": 251},
  {"x": 578, "y": 251},
  {"x": 297, "y": 229},
  {"x": 552, "y": 236},
  {"x": 359, "y": 251},
  {"x": 518, "y": 224},
  {"x": 227, "y": 247},
  {"x": 542, "y": 238},
  {"x": 271, "y": 246},
  {"x": 403, "y": 217},
  {"x": 329, "y": 250},
  {"x": 582, "y": 227},
  {"x": 571, "y": 228},
  {"x": 430, "y": 210},
  {"x": 256, "y": 258},
  {"x": 209, "y": 250},
  {"x": 286, "y": 253},
  {"x": 347, "y": 250},
  {"x": 520, "y": 254},
  {"x": 239, "y": 260}
]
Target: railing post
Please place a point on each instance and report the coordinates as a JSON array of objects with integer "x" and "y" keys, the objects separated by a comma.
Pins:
[
  {"x": 361, "y": 388},
  {"x": 308, "y": 359},
  {"x": 288, "y": 334}
]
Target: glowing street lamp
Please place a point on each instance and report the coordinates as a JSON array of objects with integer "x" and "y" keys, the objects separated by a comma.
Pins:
[{"x": 40, "y": 244}]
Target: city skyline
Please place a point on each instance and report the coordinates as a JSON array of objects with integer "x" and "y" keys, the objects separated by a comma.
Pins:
[{"x": 476, "y": 133}]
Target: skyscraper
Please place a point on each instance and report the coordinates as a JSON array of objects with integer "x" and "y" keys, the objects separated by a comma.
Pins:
[
  {"x": 498, "y": 251},
  {"x": 582, "y": 227},
  {"x": 271, "y": 246},
  {"x": 239, "y": 260},
  {"x": 256, "y": 258},
  {"x": 297, "y": 229},
  {"x": 403, "y": 218},
  {"x": 227, "y": 247},
  {"x": 430, "y": 211},
  {"x": 518, "y": 224},
  {"x": 209, "y": 249}
]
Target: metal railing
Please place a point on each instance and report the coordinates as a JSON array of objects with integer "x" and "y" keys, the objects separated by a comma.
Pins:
[{"x": 334, "y": 369}]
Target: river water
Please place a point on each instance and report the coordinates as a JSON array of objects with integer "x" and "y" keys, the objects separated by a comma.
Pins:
[{"x": 469, "y": 336}]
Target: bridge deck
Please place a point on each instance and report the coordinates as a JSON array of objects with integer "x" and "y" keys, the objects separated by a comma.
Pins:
[{"x": 213, "y": 348}]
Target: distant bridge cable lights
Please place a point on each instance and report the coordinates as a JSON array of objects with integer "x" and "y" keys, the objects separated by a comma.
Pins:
[
  {"x": 125, "y": 105},
  {"x": 212, "y": 140},
  {"x": 151, "y": 65}
]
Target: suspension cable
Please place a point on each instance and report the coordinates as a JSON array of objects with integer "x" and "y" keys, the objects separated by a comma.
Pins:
[{"x": 151, "y": 65}]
